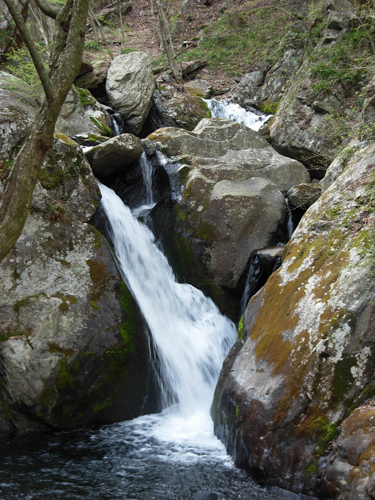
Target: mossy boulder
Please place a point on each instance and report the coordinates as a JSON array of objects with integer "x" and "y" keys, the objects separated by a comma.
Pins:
[
  {"x": 199, "y": 88},
  {"x": 73, "y": 348},
  {"x": 350, "y": 470},
  {"x": 306, "y": 359},
  {"x": 174, "y": 106},
  {"x": 81, "y": 114}
]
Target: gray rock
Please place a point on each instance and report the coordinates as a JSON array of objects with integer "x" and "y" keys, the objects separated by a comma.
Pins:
[
  {"x": 350, "y": 469},
  {"x": 148, "y": 147},
  {"x": 340, "y": 163},
  {"x": 247, "y": 88},
  {"x": 19, "y": 106},
  {"x": 278, "y": 78},
  {"x": 130, "y": 86},
  {"x": 95, "y": 78},
  {"x": 115, "y": 154},
  {"x": 173, "y": 106}
]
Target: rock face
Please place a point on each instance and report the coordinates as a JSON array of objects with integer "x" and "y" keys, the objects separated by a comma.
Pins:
[
  {"x": 130, "y": 85},
  {"x": 73, "y": 349},
  {"x": 306, "y": 356},
  {"x": 113, "y": 155},
  {"x": 18, "y": 109},
  {"x": 228, "y": 199},
  {"x": 175, "y": 107}
]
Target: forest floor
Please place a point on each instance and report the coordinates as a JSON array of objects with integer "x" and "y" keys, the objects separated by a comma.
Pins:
[{"x": 139, "y": 33}]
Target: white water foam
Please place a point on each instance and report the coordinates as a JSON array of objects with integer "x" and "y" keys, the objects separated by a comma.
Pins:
[{"x": 235, "y": 112}]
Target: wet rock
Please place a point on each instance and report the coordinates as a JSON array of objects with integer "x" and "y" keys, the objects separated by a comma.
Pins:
[
  {"x": 307, "y": 354},
  {"x": 73, "y": 350},
  {"x": 350, "y": 469},
  {"x": 173, "y": 106},
  {"x": 130, "y": 86},
  {"x": 148, "y": 147},
  {"x": 115, "y": 154},
  {"x": 304, "y": 195}
]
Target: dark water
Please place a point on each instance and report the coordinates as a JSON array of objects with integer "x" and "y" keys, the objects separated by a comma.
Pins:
[{"x": 131, "y": 460}]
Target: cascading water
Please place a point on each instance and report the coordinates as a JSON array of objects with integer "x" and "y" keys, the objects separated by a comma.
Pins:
[
  {"x": 146, "y": 168},
  {"x": 290, "y": 223},
  {"x": 115, "y": 126},
  {"x": 190, "y": 335},
  {"x": 233, "y": 111}
]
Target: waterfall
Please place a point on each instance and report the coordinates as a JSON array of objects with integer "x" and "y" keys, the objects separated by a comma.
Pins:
[
  {"x": 115, "y": 126},
  {"x": 147, "y": 172},
  {"x": 290, "y": 224},
  {"x": 252, "y": 280},
  {"x": 232, "y": 111},
  {"x": 189, "y": 333}
]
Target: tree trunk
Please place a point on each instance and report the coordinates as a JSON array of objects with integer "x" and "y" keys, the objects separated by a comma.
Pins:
[
  {"x": 166, "y": 40},
  {"x": 65, "y": 62}
]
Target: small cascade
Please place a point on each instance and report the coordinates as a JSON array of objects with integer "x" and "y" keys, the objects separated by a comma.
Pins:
[
  {"x": 147, "y": 172},
  {"x": 252, "y": 282},
  {"x": 189, "y": 333},
  {"x": 115, "y": 126},
  {"x": 173, "y": 169},
  {"x": 232, "y": 111},
  {"x": 290, "y": 223}
]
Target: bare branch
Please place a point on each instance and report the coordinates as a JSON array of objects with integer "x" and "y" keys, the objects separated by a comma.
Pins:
[{"x": 47, "y": 8}]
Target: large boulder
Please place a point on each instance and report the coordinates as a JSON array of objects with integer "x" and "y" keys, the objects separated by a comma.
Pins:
[
  {"x": 18, "y": 107},
  {"x": 174, "y": 106},
  {"x": 130, "y": 86},
  {"x": 306, "y": 358},
  {"x": 227, "y": 184},
  {"x": 73, "y": 350},
  {"x": 114, "y": 155}
]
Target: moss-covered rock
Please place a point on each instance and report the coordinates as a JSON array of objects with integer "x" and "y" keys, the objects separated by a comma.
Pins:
[
  {"x": 307, "y": 355},
  {"x": 73, "y": 348},
  {"x": 174, "y": 106}
]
